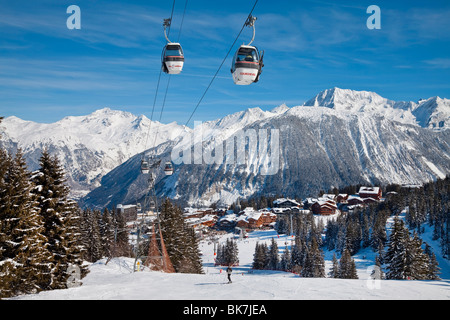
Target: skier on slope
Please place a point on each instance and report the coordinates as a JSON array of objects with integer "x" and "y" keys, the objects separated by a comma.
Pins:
[{"x": 229, "y": 271}]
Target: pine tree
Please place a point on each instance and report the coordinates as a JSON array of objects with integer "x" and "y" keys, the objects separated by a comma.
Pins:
[
  {"x": 307, "y": 265},
  {"x": 433, "y": 269},
  {"x": 107, "y": 234},
  {"x": 405, "y": 257},
  {"x": 297, "y": 255},
  {"x": 191, "y": 262},
  {"x": 172, "y": 226},
  {"x": 417, "y": 262},
  {"x": 180, "y": 240},
  {"x": 92, "y": 239},
  {"x": 219, "y": 256},
  {"x": 259, "y": 258},
  {"x": 24, "y": 258},
  {"x": 318, "y": 268},
  {"x": 58, "y": 214},
  {"x": 73, "y": 236},
  {"x": 285, "y": 261},
  {"x": 347, "y": 267},
  {"x": 273, "y": 258},
  {"x": 379, "y": 236},
  {"x": 231, "y": 253},
  {"x": 395, "y": 257}
]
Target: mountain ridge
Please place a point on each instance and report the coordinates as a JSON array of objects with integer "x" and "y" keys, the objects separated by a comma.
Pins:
[
  {"x": 93, "y": 146},
  {"x": 88, "y": 146},
  {"x": 320, "y": 148}
]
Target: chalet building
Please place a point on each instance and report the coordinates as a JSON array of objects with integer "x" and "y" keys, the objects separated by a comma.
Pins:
[
  {"x": 370, "y": 192},
  {"x": 190, "y": 213},
  {"x": 257, "y": 219},
  {"x": 227, "y": 222},
  {"x": 129, "y": 212},
  {"x": 355, "y": 200},
  {"x": 324, "y": 207},
  {"x": 286, "y": 203},
  {"x": 207, "y": 221}
]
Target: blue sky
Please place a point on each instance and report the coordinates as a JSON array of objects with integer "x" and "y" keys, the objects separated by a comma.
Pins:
[{"x": 48, "y": 72}]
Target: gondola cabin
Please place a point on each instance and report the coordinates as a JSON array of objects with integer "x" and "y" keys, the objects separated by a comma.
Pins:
[
  {"x": 246, "y": 66},
  {"x": 168, "y": 169},
  {"x": 172, "y": 58},
  {"x": 145, "y": 168}
]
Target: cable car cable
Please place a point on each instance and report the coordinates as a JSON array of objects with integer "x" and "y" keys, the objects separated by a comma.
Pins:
[
  {"x": 156, "y": 92},
  {"x": 221, "y": 65},
  {"x": 170, "y": 76}
]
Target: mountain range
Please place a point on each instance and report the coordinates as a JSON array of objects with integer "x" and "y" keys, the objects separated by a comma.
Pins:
[
  {"x": 88, "y": 146},
  {"x": 337, "y": 138}
]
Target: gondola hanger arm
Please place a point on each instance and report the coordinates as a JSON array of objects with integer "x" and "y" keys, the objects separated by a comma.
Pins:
[
  {"x": 251, "y": 23},
  {"x": 166, "y": 24}
]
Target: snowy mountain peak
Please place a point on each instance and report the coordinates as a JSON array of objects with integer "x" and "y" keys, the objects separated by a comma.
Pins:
[
  {"x": 88, "y": 146},
  {"x": 280, "y": 109},
  {"x": 347, "y": 100},
  {"x": 432, "y": 113}
]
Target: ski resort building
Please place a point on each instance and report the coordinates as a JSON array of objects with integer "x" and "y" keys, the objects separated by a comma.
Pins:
[
  {"x": 256, "y": 219},
  {"x": 370, "y": 192},
  {"x": 324, "y": 207},
  {"x": 286, "y": 203}
]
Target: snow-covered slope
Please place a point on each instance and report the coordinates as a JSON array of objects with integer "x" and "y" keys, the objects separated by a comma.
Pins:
[
  {"x": 116, "y": 281},
  {"x": 88, "y": 146}
]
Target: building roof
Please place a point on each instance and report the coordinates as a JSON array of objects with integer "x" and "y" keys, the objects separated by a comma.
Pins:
[
  {"x": 324, "y": 202},
  {"x": 283, "y": 200},
  {"x": 369, "y": 190}
]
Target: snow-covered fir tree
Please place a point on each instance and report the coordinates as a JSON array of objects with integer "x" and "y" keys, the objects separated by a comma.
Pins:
[
  {"x": 260, "y": 256},
  {"x": 25, "y": 262},
  {"x": 433, "y": 267},
  {"x": 228, "y": 253},
  {"x": 60, "y": 217},
  {"x": 298, "y": 255},
  {"x": 405, "y": 257},
  {"x": 396, "y": 252},
  {"x": 285, "y": 260},
  {"x": 273, "y": 258},
  {"x": 347, "y": 267},
  {"x": 180, "y": 240},
  {"x": 314, "y": 263},
  {"x": 91, "y": 238}
]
